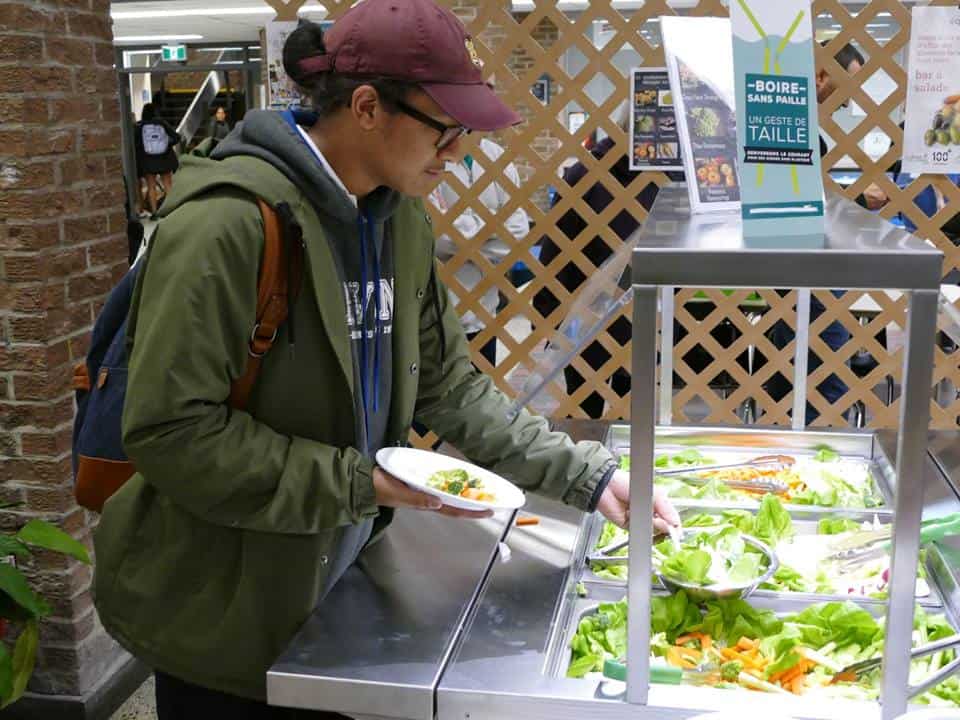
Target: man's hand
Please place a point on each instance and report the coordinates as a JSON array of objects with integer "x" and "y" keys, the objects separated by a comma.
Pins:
[
  {"x": 875, "y": 197},
  {"x": 615, "y": 504},
  {"x": 392, "y": 492}
]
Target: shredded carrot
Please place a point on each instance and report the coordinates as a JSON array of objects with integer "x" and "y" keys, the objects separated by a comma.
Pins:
[
  {"x": 729, "y": 653},
  {"x": 792, "y": 674},
  {"x": 705, "y": 641}
]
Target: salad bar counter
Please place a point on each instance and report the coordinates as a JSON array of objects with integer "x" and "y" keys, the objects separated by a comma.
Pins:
[
  {"x": 548, "y": 637},
  {"x": 522, "y": 621}
]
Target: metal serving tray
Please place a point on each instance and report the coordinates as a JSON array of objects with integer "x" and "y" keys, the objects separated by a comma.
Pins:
[
  {"x": 735, "y": 444},
  {"x": 938, "y": 574},
  {"x": 582, "y": 607}
]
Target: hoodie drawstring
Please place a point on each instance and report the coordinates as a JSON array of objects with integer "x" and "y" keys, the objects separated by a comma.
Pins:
[{"x": 367, "y": 232}]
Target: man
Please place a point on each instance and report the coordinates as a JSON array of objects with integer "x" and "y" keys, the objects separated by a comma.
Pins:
[
  {"x": 468, "y": 171},
  {"x": 238, "y": 523}
]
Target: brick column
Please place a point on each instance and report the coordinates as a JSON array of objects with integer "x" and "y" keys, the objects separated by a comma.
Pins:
[{"x": 62, "y": 247}]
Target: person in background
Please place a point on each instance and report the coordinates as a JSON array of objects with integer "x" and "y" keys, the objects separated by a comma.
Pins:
[
  {"x": 494, "y": 198},
  {"x": 850, "y": 59},
  {"x": 835, "y": 336},
  {"x": 596, "y": 251},
  {"x": 155, "y": 143},
  {"x": 219, "y": 127}
]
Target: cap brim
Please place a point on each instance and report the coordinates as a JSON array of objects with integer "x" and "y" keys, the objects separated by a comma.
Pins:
[{"x": 475, "y": 106}]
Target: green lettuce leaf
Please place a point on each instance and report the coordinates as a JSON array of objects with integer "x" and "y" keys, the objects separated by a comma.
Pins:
[
  {"x": 688, "y": 565},
  {"x": 773, "y": 522},
  {"x": 835, "y": 526}
]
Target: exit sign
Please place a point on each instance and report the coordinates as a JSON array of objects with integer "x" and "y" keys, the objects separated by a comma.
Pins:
[{"x": 174, "y": 53}]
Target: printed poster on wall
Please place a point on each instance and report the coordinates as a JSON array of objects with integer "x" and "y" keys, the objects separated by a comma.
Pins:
[
  {"x": 931, "y": 133},
  {"x": 700, "y": 64},
  {"x": 654, "y": 139},
  {"x": 778, "y": 137},
  {"x": 281, "y": 92}
]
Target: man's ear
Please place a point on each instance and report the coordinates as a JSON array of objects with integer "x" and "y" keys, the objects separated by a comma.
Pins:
[{"x": 365, "y": 106}]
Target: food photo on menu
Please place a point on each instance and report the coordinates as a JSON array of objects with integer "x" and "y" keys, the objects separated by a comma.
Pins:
[{"x": 713, "y": 138}]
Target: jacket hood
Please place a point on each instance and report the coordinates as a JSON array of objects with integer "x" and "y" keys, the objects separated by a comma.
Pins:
[{"x": 272, "y": 136}]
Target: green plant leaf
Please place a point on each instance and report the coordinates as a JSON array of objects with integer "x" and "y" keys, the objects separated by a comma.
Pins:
[
  {"x": 12, "y": 546},
  {"x": 44, "y": 535},
  {"x": 6, "y": 675},
  {"x": 24, "y": 658},
  {"x": 14, "y": 584}
]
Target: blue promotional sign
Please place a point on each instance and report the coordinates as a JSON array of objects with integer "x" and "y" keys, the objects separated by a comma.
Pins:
[{"x": 777, "y": 129}]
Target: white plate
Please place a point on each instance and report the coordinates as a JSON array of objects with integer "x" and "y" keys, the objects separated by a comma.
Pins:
[{"x": 415, "y": 467}]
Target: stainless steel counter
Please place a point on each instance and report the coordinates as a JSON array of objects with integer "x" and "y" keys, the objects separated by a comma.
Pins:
[
  {"x": 433, "y": 623},
  {"x": 511, "y": 660},
  {"x": 379, "y": 643}
]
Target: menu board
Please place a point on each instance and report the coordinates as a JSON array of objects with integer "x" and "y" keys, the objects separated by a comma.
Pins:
[
  {"x": 931, "y": 133},
  {"x": 654, "y": 139},
  {"x": 700, "y": 65}
]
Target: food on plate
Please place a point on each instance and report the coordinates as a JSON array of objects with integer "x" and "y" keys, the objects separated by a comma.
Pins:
[
  {"x": 668, "y": 123},
  {"x": 458, "y": 482},
  {"x": 702, "y": 173},
  {"x": 646, "y": 123},
  {"x": 706, "y": 122},
  {"x": 666, "y": 99},
  {"x": 713, "y": 177},
  {"x": 742, "y": 648}
]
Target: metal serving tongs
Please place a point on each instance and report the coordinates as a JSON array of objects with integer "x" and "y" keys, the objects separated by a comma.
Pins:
[
  {"x": 852, "y": 673},
  {"x": 692, "y": 476},
  {"x": 763, "y": 462},
  {"x": 606, "y": 554},
  {"x": 871, "y": 544}
]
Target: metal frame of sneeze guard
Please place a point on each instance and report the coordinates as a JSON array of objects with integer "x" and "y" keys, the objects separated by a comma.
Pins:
[{"x": 859, "y": 251}]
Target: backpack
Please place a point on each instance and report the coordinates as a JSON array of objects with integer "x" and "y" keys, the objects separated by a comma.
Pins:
[
  {"x": 155, "y": 138},
  {"x": 100, "y": 466}
]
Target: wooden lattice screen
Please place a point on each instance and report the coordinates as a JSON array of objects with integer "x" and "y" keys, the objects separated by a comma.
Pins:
[{"x": 719, "y": 331}]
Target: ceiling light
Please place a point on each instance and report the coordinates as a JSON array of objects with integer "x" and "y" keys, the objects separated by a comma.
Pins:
[
  {"x": 153, "y": 38},
  {"x": 201, "y": 12}
]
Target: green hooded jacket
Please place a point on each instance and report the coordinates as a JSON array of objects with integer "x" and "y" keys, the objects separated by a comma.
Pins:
[{"x": 211, "y": 557}]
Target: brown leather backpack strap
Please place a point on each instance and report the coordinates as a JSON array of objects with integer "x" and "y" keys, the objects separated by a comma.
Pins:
[{"x": 272, "y": 293}]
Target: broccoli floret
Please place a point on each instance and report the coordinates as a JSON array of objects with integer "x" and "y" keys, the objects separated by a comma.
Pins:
[{"x": 731, "y": 670}]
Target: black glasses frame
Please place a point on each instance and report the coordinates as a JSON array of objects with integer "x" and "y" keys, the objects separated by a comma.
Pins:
[{"x": 449, "y": 134}]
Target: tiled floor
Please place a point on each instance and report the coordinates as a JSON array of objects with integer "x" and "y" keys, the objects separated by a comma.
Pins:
[{"x": 139, "y": 706}]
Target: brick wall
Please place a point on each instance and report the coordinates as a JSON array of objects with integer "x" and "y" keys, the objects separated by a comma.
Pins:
[{"x": 62, "y": 246}]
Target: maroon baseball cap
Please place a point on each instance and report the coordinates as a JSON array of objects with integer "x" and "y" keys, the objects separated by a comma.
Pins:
[{"x": 419, "y": 42}]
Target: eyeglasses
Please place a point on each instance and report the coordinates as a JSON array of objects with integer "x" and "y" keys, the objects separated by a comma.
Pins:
[{"x": 449, "y": 134}]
